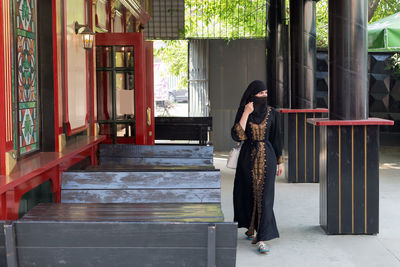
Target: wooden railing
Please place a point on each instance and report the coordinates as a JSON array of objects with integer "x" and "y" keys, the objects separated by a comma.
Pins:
[{"x": 33, "y": 171}]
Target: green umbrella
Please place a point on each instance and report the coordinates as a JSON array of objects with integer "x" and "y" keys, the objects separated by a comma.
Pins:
[{"x": 384, "y": 34}]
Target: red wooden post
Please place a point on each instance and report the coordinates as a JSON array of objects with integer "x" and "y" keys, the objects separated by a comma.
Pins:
[
  {"x": 2, "y": 98},
  {"x": 12, "y": 206},
  {"x": 140, "y": 93},
  {"x": 150, "y": 91},
  {"x": 55, "y": 75},
  {"x": 3, "y": 206}
]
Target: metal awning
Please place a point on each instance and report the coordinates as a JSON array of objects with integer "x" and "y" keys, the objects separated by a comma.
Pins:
[{"x": 384, "y": 34}]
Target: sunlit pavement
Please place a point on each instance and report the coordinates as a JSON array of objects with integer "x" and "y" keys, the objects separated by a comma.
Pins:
[{"x": 303, "y": 242}]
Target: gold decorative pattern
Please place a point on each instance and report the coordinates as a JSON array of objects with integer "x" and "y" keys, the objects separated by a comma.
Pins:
[
  {"x": 258, "y": 171},
  {"x": 240, "y": 132}
]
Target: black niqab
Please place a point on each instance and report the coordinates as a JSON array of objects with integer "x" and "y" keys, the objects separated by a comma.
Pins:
[{"x": 260, "y": 103}]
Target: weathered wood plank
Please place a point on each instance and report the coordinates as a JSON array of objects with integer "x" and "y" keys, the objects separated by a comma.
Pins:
[
  {"x": 149, "y": 168},
  {"x": 140, "y": 180},
  {"x": 3, "y": 261},
  {"x": 2, "y": 238},
  {"x": 167, "y": 161},
  {"x": 157, "y": 151},
  {"x": 142, "y": 196},
  {"x": 105, "y": 257},
  {"x": 10, "y": 244},
  {"x": 122, "y": 234},
  {"x": 126, "y": 212}
]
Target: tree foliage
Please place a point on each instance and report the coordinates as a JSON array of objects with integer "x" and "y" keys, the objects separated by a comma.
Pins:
[
  {"x": 226, "y": 19},
  {"x": 322, "y": 23},
  {"x": 233, "y": 19},
  {"x": 384, "y": 8},
  {"x": 175, "y": 53},
  {"x": 377, "y": 9}
]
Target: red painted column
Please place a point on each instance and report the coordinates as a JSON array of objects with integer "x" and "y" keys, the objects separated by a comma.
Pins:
[
  {"x": 140, "y": 91},
  {"x": 2, "y": 98},
  {"x": 12, "y": 205},
  {"x": 55, "y": 75},
  {"x": 92, "y": 72},
  {"x": 150, "y": 91}
]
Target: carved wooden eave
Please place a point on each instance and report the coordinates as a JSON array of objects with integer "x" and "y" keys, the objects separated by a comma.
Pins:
[{"x": 138, "y": 11}]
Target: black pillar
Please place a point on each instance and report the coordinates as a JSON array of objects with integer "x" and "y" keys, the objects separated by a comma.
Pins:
[
  {"x": 277, "y": 54},
  {"x": 349, "y": 140},
  {"x": 302, "y": 140},
  {"x": 303, "y": 53},
  {"x": 348, "y": 60}
]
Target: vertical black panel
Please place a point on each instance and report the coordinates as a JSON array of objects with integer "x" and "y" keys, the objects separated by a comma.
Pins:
[
  {"x": 373, "y": 179},
  {"x": 46, "y": 74},
  {"x": 317, "y": 149},
  {"x": 323, "y": 186},
  {"x": 292, "y": 148},
  {"x": 310, "y": 177},
  {"x": 359, "y": 171},
  {"x": 301, "y": 147},
  {"x": 333, "y": 180},
  {"x": 285, "y": 129},
  {"x": 346, "y": 178}
]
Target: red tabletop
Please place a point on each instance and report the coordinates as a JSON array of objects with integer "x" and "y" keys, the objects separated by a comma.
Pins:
[
  {"x": 316, "y": 110},
  {"x": 327, "y": 122}
]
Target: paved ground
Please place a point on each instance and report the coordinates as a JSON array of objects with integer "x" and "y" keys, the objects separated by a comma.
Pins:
[{"x": 303, "y": 242}]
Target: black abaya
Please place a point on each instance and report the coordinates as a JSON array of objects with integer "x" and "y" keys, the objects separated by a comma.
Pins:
[{"x": 254, "y": 187}]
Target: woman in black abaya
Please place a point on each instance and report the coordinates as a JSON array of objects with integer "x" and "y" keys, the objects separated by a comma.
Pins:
[{"x": 257, "y": 125}]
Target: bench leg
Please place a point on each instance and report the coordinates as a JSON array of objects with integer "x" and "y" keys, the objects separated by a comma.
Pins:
[
  {"x": 211, "y": 246},
  {"x": 11, "y": 250}
]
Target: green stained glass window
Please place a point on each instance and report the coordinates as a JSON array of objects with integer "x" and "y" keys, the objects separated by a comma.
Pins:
[{"x": 26, "y": 76}]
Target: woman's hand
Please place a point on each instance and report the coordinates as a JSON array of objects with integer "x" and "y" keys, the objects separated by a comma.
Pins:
[
  {"x": 280, "y": 170},
  {"x": 249, "y": 108}
]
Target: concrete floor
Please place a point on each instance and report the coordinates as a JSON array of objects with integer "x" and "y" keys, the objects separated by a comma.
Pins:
[{"x": 303, "y": 242}]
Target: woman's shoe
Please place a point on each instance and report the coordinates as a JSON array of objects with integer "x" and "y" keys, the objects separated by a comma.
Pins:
[
  {"x": 262, "y": 248},
  {"x": 251, "y": 237}
]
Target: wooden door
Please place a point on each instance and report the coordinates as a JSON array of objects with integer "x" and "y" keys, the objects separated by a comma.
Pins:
[{"x": 124, "y": 91}]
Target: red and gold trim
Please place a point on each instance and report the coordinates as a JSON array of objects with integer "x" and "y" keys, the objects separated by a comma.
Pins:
[
  {"x": 6, "y": 114},
  {"x": 6, "y": 39}
]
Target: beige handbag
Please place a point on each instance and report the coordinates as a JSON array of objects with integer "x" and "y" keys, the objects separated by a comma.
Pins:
[{"x": 233, "y": 157}]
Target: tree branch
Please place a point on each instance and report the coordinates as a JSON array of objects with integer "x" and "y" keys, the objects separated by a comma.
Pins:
[{"x": 372, "y": 5}]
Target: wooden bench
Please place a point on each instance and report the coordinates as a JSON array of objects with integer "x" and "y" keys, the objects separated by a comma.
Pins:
[
  {"x": 158, "y": 155},
  {"x": 124, "y": 235},
  {"x": 183, "y": 128},
  {"x": 156, "y": 185}
]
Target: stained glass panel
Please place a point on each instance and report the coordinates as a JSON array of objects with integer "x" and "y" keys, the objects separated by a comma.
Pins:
[
  {"x": 25, "y": 18},
  {"x": 26, "y": 76}
]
